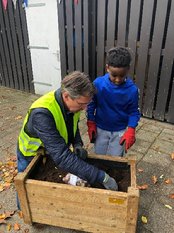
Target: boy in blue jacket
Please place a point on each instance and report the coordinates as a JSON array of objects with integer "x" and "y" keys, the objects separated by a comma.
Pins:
[{"x": 113, "y": 113}]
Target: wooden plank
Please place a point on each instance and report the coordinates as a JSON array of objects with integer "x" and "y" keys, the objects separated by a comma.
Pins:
[
  {"x": 157, "y": 40},
  {"x": 144, "y": 46},
  {"x": 166, "y": 69},
  {"x": 132, "y": 210},
  {"x": 6, "y": 59},
  {"x": 133, "y": 173},
  {"x": 108, "y": 157},
  {"x": 86, "y": 207},
  {"x": 20, "y": 187},
  {"x": 28, "y": 77},
  {"x": 90, "y": 195},
  {"x": 15, "y": 45},
  {"x": 74, "y": 216},
  {"x": 19, "y": 181},
  {"x": 78, "y": 35},
  {"x": 111, "y": 27},
  {"x": 100, "y": 37},
  {"x": 11, "y": 46},
  {"x": 62, "y": 40},
  {"x": 122, "y": 20},
  {"x": 86, "y": 37},
  {"x": 133, "y": 32},
  {"x": 70, "y": 36}
]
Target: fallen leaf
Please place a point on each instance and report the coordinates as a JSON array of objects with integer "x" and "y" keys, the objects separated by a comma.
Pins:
[
  {"x": 140, "y": 170},
  {"x": 142, "y": 187},
  {"x": 20, "y": 214},
  {"x": 6, "y": 185},
  {"x": 144, "y": 219},
  {"x": 2, "y": 221},
  {"x": 8, "y": 227},
  {"x": 1, "y": 188},
  {"x": 8, "y": 214},
  {"x": 168, "y": 206},
  {"x": 168, "y": 181},
  {"x": 11, "y": 164},
  {"x": 16, "y": 227},
  {"x": 172, "y": 156},
  {"x": 18, "y": 117},
  {"x": 9, "y": 179},
  {"x": 171, "y": 195},
  {"x": 26, "y": 230},
  {"x": 154, "y": 179},
  {"x": 2, "y": 216}
]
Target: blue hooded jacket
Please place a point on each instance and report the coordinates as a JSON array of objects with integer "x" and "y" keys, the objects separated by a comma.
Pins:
[{"x": 114, "y": 107}]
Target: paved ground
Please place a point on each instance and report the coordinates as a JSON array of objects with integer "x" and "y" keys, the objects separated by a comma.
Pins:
[{"x": 153, "y": 148}]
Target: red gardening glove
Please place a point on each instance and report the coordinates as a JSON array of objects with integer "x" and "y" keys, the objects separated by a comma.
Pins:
[
  {"x": 92, "y": 131},
  {"x": 128, "y": 137}
]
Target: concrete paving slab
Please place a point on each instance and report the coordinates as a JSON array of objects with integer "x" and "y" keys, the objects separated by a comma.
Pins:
[
  {"x": 163, "y": 146},
  {"x": 147, "y": 136}
]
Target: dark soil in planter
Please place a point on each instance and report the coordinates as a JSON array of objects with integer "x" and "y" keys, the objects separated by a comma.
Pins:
[{"x": 46, "y": 170}]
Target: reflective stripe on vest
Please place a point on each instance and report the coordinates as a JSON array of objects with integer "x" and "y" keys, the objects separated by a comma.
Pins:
[{"x": 29, "y": 145}]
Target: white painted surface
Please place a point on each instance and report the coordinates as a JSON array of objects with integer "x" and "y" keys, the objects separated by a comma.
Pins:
[{"x": 42, "y": 23}]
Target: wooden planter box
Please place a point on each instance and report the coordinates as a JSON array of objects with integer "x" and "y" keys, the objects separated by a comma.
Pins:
[{"x": 80, "y": 208}]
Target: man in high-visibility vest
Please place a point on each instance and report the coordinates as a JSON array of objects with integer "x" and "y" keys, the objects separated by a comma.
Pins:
[{"x": 52, "y": 123}]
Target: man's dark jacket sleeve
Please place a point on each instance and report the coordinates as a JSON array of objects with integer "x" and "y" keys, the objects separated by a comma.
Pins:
[{"x": 42, "y": 125}]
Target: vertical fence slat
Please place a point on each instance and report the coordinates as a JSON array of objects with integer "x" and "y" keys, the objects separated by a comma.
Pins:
[
  {"x": 92, "y": 38},
  {"x": 166, "y": 69},
  {"x": 133, "y": 31},
  {"x": 28, "y": 78},
  {"x": 4, "y": 73},
  {"x": 155, "y": 58},
  {"x": 24, "y": 81},
  {"x": 15, "y": 45},
  {"x": 144, "y": 45},
  {"x": 111, "y": 15},
  {"x": 100, "y": 36},
  {"x": 9, "y": 81},
  {"x": 85, "y": 37},
  {"x": 2, "y": 76},
  {"x": 170, "y": 114},
  {"x": 11, "y": 48},
  {"x": 62, "y": 38},
  {"x": 70, "y": 35},
  {"x": 122, "y": 19},
  {"x": 78, "y": 35}
]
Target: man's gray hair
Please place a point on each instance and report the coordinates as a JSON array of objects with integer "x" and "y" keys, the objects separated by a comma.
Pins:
[{"x": 77, "y": 84}]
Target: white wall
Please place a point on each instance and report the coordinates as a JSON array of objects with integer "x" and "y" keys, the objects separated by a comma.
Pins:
[{"x": 42, "y": 23}]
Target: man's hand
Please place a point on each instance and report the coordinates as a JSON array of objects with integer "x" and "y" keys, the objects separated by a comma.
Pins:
[
  {"x": 92, "y": 131},
  {"x": 110, "y": 183},
  {"x": 128, "y": 138},
  {"x": 80, "y": 152}
]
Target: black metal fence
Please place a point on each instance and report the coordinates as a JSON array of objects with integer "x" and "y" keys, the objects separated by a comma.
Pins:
[
  {"x": 15, "y": 60},
  {"x": 88, "y": 29}
]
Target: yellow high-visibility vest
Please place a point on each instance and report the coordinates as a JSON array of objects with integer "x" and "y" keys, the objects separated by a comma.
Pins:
[{"x": 29, "y": 145}]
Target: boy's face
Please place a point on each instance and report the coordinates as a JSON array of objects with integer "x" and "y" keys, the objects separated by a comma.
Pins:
[{"x": 117, "y": 75}]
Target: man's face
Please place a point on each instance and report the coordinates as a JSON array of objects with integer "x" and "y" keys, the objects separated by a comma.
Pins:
[
  {"x": 117, "y": 75},
  {"x": 76, "y": 105}
]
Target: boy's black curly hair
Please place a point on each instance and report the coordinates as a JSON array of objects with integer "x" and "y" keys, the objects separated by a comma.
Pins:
[{"x": 118, "y": 57}]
